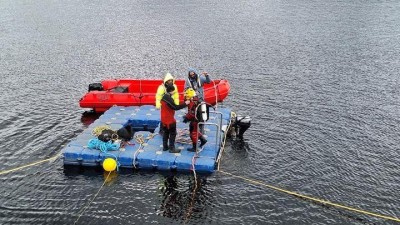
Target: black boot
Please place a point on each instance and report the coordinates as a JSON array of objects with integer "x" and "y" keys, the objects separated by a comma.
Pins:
[
  {"x": 172, "y": 136},
  {"x": 165, "y": 145},
  {"x": 172, "y": 149},
  {"x": 192, "y": 149},
  {"x": 165, "y": 137},
  {"x": 203, "y": 141}
]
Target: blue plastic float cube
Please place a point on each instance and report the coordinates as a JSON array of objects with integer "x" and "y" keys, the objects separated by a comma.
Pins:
[{"x": 149, "y": 155}]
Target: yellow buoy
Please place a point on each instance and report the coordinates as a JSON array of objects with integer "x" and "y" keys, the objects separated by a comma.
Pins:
[{"x": 109, "y": 164}]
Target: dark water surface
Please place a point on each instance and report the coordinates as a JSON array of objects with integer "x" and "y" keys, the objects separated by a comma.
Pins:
[{"x": 319, "y": 78}]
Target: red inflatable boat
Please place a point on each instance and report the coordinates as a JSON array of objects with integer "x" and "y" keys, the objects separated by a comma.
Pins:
[{"x": 128, "y": 92}]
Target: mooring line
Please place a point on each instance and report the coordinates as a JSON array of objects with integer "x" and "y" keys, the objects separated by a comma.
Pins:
[
  {"x": 219, "y": 158},
  {"x": 87, "y": 205},
  {"x": 31, "y": 164},
  {"x": 190, "y": 208},
  {"x": 191, "y": 205},
  {"x": 324, "y": 202}
]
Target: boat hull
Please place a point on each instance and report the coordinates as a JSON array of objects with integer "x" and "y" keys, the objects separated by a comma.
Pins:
[{"x": 131, "y": 92}]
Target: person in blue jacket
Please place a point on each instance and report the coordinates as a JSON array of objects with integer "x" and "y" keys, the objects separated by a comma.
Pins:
[{"x": 196, "y": 82}]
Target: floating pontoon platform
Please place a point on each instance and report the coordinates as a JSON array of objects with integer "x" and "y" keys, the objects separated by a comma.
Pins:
[{"x": 144, "y": 151}]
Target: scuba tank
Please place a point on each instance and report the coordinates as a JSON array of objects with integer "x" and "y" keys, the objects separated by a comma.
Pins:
[{"x": 204, "y": 111}]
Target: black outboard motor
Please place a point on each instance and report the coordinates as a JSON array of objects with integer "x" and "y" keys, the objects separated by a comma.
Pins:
[
  {"x": 96, "y": 87},
  {"x": 241, "y": 124}
]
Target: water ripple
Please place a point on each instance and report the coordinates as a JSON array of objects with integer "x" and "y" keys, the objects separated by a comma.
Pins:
[{"x": 319, "y": 79}]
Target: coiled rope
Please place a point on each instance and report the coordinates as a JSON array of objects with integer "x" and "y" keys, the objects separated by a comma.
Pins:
[
  {"x": 97, "y": 130},
  {"x": 139, "y": 138},
  {"x": 103, "y": 146}
]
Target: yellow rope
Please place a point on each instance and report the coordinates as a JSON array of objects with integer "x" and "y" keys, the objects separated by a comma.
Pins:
[
  {"x": 325, "y": 202},
  {"x": 29, "y": 165},
  {"x": 97, "y": 130},
  {"x": 151, "y": 136},
  {"x": 87, "y": 206},
  {"x": 139, "y": 138}
]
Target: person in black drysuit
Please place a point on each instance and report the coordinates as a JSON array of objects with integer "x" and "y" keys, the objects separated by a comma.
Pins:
[{"x": 168, "y": 122}]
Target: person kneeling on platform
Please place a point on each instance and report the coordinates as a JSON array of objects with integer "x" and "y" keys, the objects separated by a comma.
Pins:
[
  {"x": 168, "y": 122},
  {"x": 194, "y": 118}
]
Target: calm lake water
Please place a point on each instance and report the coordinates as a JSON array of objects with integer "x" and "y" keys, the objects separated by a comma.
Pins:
[{"x": 320, "y": 80}]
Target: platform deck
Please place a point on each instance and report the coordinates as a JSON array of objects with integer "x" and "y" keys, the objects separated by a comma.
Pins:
[{"x": 144, "y": 151}]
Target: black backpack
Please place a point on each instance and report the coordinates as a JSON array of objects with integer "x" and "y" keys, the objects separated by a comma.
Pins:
[
  {"x": 125, "y": 133},
  {"x": 106, "y": 135}
]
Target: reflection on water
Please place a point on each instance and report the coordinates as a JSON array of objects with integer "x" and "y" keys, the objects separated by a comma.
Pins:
[
  {"x": 172, "y": 203},
  {"x": 110, "y": 177},
  {"x": 180, "y": 199},
  {"x": 88, "y": 117},
  {"x": 319, "y": 78},
  {"x": 239, "y": 145},
  {"x": 73, "y": 171}
]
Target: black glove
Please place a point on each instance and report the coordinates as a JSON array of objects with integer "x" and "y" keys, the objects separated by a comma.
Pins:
[{"x": 185, "y": 119}]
